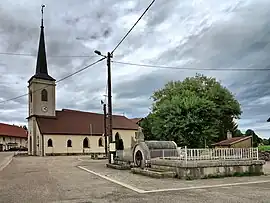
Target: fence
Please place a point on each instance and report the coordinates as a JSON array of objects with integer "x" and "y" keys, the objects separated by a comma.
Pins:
[{"x": 207, "y": 154}]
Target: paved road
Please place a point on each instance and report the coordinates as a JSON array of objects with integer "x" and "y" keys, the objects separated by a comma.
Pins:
[
  {"x": 57, "y": 179},
  {"x": 4, "y": 158}
]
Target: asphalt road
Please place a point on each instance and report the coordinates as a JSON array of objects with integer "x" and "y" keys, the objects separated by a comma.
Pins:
[
  {"x": 58, "y": 179},
  {"x": 5, "y": 158}
]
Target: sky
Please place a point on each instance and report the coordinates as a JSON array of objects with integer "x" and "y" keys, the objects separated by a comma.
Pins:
[{"x": 190, "y": 34}]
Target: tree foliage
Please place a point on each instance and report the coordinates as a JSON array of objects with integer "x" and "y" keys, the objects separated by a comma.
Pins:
[
  {"x": 194, "y": 112},
  {"x": 256, "y": 140}
]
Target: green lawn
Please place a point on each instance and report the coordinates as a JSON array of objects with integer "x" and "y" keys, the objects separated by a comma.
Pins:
[{"x": 264, "y": 148}]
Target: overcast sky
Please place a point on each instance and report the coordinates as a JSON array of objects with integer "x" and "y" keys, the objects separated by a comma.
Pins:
[{"x": 189, "y": 34}]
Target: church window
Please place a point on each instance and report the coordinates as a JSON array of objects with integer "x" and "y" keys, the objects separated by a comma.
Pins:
[
  {"x": 86, "y": 143},
  {"x": 100, "y": 142},
  {"x": 117, "y": 136},
  {"x": 44, "y": 95},
  {"x": 50, "y": 143},
  {"x": 69, "y": 143}
]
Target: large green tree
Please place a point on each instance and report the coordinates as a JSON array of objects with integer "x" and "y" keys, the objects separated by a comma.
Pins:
[
  {"x": 256, "y": 140},
  {"x": 195, "y": 112}
]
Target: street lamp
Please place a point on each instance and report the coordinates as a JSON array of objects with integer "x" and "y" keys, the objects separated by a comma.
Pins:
[
  {"x": 109, "y": 56},
  {"x": 99, "y": 53}
]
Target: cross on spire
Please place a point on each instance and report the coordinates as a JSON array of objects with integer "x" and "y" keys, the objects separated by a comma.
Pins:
[
  {"x": 42, "y": 8},
  {"x": 41, "y": 66}
]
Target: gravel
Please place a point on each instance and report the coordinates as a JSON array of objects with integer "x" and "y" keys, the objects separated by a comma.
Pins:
[{"x": 57, "y": 179}]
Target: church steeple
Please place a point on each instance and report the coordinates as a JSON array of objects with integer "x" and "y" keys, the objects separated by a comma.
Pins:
[{"x": 41, "y": 66}]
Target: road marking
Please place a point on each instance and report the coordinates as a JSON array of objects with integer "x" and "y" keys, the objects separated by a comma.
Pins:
[
  {"x": 227, "y": 185},
  {"x": 7, "y": 163},
  {"x": 81, "y": 159},
  {"x": 114, "y": 181},
  {"x": 207, "y": 186}
]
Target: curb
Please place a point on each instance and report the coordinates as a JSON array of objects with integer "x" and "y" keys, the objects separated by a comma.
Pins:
[{"x": 6, "y": 162}]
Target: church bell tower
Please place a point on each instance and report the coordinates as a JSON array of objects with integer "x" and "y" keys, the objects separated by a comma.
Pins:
[{"x": 41, "y": 99}]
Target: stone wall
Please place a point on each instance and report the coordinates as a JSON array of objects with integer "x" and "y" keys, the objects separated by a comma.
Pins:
[
  {"x": 264, "y": 155},
  {"x": 209, "y": 169}
]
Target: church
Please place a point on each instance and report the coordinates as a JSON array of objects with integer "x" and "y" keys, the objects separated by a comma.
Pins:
[{"x": 66, "y": 131}]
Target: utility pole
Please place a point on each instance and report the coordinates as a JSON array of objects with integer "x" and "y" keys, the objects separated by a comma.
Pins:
[
  {"x": 109, "y": 99},
  {"x": 109, "y": 133},
  {"x": 105, "y": 129}
]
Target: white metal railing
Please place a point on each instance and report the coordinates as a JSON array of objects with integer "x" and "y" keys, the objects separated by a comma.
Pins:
[
  {"x": 154, "y": 153},
  {"x": 207, "y": 154}
]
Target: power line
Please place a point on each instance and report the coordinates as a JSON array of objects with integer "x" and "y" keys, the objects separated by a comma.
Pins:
[
  {"x": 133, "y": 26},
  {"x": 68, "y": 76},
  {"x": 183, "y": 68},
  {"x": 52, "y": 56}
]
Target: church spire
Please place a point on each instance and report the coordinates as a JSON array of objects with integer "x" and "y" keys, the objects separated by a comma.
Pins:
[{"x": 41, "y": 66}]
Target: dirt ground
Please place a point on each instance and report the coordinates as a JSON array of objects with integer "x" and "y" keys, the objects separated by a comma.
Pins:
[{"x": 59, "y": 179}]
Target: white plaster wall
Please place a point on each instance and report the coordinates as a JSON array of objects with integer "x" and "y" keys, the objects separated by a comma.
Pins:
[
  {"x": 60, "y": 144},
  {"x": 4, "y": 140},
  {"x": 126, "y": 135},
  {"x": 35, "y": 107}
]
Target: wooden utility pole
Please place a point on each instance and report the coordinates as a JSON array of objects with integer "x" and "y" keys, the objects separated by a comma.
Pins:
[
  {"x": 105, "y": 129},
  {"x": 109, "y": 99}
]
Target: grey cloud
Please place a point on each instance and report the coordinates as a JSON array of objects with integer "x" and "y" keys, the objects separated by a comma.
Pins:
[{"x": 230, "y": 36}]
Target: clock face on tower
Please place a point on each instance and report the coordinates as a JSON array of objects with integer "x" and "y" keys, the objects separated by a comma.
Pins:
[{"x": 44, "y": 108}]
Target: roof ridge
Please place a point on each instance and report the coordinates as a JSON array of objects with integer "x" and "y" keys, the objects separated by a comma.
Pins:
[
  {"x": 79, "y": 111},
  {"x": 13, "y": 125}
]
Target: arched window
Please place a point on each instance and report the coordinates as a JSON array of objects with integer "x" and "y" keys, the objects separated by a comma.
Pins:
[
  {"x": 117, "y": 136},
  {"x": 44, "y": 95},
  {"x": 50, "y": 143},
  {"x": 86, "y": 143},
  {"x": 100, "y": 142},
  {"x": 69, "y": 143}
]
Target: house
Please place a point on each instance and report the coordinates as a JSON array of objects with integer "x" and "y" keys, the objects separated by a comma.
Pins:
[
  {"x": 53, "y": 132},
  {"x": 12, "y": 136},
  {"x": 235, "y": 142}
]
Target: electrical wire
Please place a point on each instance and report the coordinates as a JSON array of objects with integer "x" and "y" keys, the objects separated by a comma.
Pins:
[
  {"x": 53, "y": 56},
  {"x": 68, "y": 76},
  {"x": 191, "y": 69},
  {"x": 133, "y": 26}
]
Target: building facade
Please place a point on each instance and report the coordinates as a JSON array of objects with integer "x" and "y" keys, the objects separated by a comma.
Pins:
[
  {"x": 53, "y": 132},
  {"x": 235, "y": 142},
  {"x": 12, "y": 136}
]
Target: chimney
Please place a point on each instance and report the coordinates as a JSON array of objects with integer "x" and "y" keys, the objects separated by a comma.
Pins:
[{"x": 229, "y": 135}]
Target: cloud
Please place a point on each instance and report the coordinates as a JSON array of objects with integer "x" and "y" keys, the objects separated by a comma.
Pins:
[{"x": 191, "y": 34}]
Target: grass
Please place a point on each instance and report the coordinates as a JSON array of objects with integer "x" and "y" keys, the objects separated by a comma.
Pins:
[{"x": 264, "y": 148}]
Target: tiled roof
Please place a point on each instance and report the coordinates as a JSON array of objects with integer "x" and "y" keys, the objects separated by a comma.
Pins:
[
  {"x": 12, "y": 131},
  {"x": 72, "y": 122},
  {"x": 231, "y": 141}
]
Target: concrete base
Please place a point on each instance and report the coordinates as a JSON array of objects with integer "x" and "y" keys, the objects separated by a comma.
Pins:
[
  {"x": 154, "y": 173},
  {"x": 92, "y": 155},
  {"x": 210, "y": 169},
  {"x": 119, "y": 167}
]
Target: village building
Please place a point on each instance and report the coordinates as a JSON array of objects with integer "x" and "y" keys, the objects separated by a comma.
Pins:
[
  {"x": 53, "y": 132},
  {"x": 12, "y": 137},
  {"x": 235, "y": 142}
]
